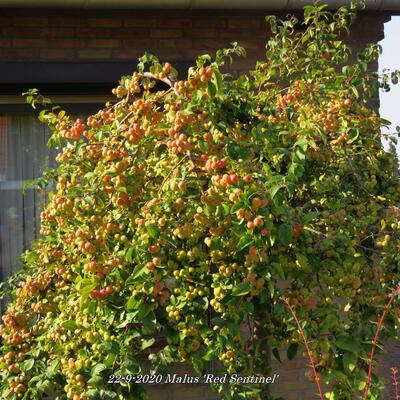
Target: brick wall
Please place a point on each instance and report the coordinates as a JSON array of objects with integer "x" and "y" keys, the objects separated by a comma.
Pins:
[
  {"x": 75, "y": 36},
  {"x": 120, "y": 36}
]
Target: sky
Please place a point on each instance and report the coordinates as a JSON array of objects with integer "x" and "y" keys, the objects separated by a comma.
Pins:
[{"x": 390, "y": 58}]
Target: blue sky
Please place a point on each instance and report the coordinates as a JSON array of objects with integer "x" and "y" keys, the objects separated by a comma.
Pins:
[{"x": 390, "y": 58}]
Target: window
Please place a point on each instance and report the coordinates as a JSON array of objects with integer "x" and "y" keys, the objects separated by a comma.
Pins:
[{"x": 23, "y": 156}]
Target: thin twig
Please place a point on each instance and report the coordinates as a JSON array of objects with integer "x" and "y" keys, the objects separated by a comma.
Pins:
[
  {"x": 316, "y": 377},
  {"x": 353, "y": 170},
  {"x": 395, "y": 382},
  {"x": 166, "y": 80},
  {"x": 251, "y": 330},
  {"x": 126, "y": 117},
  {"x": 396, "y": 292},
  {"x": 307, "y": 228},
  {"x": 171, "y": 171}
]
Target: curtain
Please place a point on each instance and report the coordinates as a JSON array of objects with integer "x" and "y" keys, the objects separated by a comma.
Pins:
[{"x": 23, "y": 155}]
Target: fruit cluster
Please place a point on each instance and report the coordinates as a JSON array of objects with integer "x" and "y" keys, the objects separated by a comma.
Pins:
[{"x": 189, "y": 210}]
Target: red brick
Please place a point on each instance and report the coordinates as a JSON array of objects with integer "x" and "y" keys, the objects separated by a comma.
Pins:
[
  {"x": 293, "y": 386},
  {"x": 31, "y": 21},
  {"x": 256, "y": 54},
  {"x": 174, "y": 54},
  {"x": 288, "y": 376},
  {"x": 19, "y": 54},
  {"x": 140, "y": 43},
  {"x": 174, "y": 23},
  {"x": 94, "y": 54},
  {"x": 190, "y": 54},
  {"x": 30, "y": 43},
  {"x": 67, "y": 43},
  {"x": 241, "y": 22},
  {"x": 5, "y": 43},
  {"x": 165, "y": 33},
  {"x": 27, "y": 32},
  {"x": 67, "y": 22},
  {"x": 128, "y": 33},
  {"x": 158, "y": 394},
  {"x": 285, "y": 395},
  {"x": 236, "y": 34},
  {"x": 294, "y": 364},
  {"x": 140, "y": 22},
  {"x": 209, "y": 44},
  {"x": 104, "y": 43},
  {"x": 127, "y": 54},
  {"x": 252, "y": 44},
  {"x": 176, "y": 43},
  {"x": 4, "y": 21},
  {"x": 206, "y": 23},
  {"x": 243, "y": 64},
  {"x": 92, "y": 33},
  {"x": 104, "y": 22},
  {"x": 201, "y": 33},
  {"x": 57, "y": 32},
  {"x": 194, "y": 392},
  {"x": 51, "y": 54}
]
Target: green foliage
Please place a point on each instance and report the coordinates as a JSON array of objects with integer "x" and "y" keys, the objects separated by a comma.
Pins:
[{"x": 179, "y": 212}]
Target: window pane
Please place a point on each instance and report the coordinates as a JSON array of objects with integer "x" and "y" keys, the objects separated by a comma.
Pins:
[{"x": 23, "y": 155}]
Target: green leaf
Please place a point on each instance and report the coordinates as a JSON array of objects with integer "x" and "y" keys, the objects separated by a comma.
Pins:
[
  {"x": 144, "y": 310},
  {"x": 69, "y": 325},
  {"x": 98, "y": 369},
  {"x": 131, "y": 303},
  {"x": 300, "y": 154},
  {"x": 216, "y": 79},
  {"x": 285, "y": 234},
  {"x": 92, "y": 307},
  {"x": 241, "y": 289},
  {"x": 279, "y": 270},
  {"x": 44, "y": 386},
  {"x": 348, "y": 343},
  {"x": 153, "y": 232},
  {"x": 211, "y": 354},
  {"x": 109, "y": 395},
  {"x": 349, "y": 361},
  {"x": 131, "y": 365},
  {"x": 137, "y": 272},
  {"x": 328, "y": 323},
  {"x": 28, "y": 364},
  {"x": 354, "y": 137},
  {"x": 226, "y": 210},
  {"x": 232, "y": 151},
  {"x": 93, "y": 394},
  {"x": 307, "y": 218},
  {"x": 149, "y": 322},
  {"x": 339, "y": 374},
  {"x": 292, "y": 350},
  {"x": 302, "y": 262},
  {"x": 85, "y": 290},
  {"x": 110, "y": 346},
  {"x": 233, "y": 328},
  {"x": 109, "y": 359},
  {"x": 211, "y": 89},
  {"x": 245, "y": 241},
  {"x": 147, "y": 343},
  {"x": 129, "y": 254},
  {"x": 276, "y": 354},
  {"x": 235, "y": 207},
  {"x": 302, "y": 143},
  {"x": 198, "y": 363},
  {"x": 218, "y": 321},
  {"x": 53, "y": 368},
  {"x": 275, "y": 189}
]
